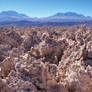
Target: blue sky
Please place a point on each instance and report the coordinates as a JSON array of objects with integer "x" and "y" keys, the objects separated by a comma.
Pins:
[{"x": 43, "y": 8}]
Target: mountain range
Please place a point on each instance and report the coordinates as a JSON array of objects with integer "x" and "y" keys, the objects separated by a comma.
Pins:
[{"x": 13, "y": 17}]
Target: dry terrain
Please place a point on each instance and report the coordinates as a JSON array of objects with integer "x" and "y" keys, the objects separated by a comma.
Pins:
[{"x": 46, "y": 59}]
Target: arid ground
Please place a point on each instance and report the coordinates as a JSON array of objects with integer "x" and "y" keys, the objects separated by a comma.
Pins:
[{"x": 46, "y": 59}]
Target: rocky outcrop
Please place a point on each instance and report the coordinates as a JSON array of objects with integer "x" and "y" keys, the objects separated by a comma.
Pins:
[
  {"x": 4, "y": 87},
  {"x": 8, "y": 40},
  {"x": 46, "y": 59},
  {"x": 6, "y": 66}
]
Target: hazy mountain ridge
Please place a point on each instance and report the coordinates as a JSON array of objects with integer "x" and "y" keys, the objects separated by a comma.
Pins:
[
  {"x": 12, "y": 16},
  {"x": 12, "y": 13},
  {"x": 8, "y": 18},
  {"x": 68, "y": 17},
  {"x": 69, "y": 14}
]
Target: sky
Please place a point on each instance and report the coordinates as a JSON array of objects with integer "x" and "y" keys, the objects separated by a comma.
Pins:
[{"x": 44, "y": 8}]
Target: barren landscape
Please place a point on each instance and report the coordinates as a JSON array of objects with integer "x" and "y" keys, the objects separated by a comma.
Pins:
[{"x": 46, "y": 59}]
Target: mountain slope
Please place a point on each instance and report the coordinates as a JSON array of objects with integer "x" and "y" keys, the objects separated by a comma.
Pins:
[
  {"x": 68, "y": 14},
  {"x": 12, "y": 16},
  {"x": 67, "y": 17},
  {"x": 8, "y": 18}
]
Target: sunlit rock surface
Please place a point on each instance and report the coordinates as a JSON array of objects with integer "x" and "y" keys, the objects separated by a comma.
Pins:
[{"x": 46, "y": 59}]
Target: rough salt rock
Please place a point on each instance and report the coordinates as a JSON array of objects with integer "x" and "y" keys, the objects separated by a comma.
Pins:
[
  {"x": 14, "y": 35},
  {"x": 4, "y": 87},
  {"x": 89, "y": 50},
  {"x": 49, "y": 59},
  {"x": 57, "y": 88},
  {"x": 34, "y": 53},
  {"x": 6, "y": 66}
]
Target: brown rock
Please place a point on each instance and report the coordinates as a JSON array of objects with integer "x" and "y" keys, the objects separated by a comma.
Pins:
[
  {"x": 4, "y": 87},
  {"x": 6, "y": 66}
]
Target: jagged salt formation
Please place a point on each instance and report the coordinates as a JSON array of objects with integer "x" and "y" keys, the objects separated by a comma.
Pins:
[{"x": 46, "y": 59}]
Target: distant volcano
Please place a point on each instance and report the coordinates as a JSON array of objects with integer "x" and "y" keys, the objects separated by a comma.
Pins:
[
  {"x": 12, "y": 16},
  {"x": 8, "y": 18}
]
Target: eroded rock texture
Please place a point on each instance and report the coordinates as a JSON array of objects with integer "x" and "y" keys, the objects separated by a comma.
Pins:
[{"x": 46, "y": 59}]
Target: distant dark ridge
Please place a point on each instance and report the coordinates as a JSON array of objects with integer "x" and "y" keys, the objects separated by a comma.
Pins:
[{"x": 31, "y": 23}]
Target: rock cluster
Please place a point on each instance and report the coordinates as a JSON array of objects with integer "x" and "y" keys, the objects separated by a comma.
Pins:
[{"x": 46, "y": 59}]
